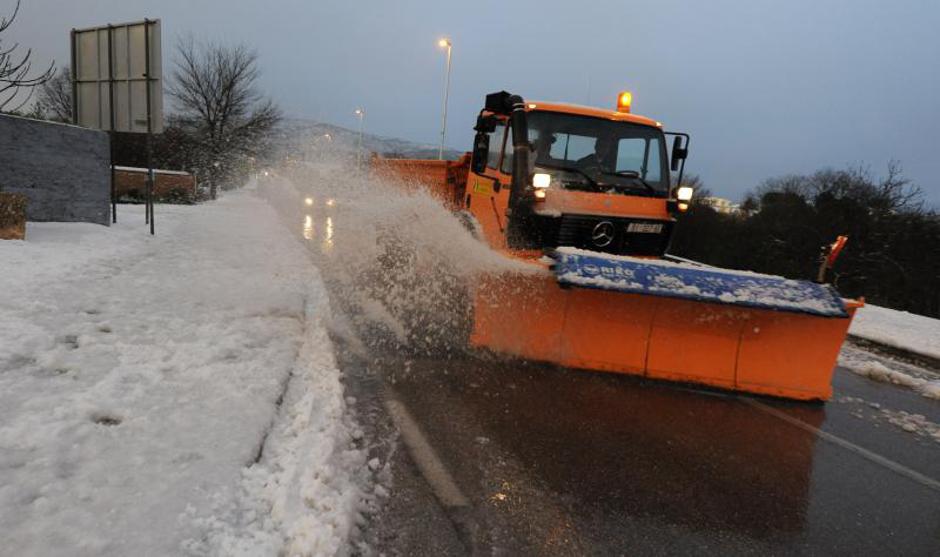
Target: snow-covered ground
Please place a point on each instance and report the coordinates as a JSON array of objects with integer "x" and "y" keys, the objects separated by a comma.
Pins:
[
  {"x": 172, "y": 394},
  {"x": 899, "y": 329}
]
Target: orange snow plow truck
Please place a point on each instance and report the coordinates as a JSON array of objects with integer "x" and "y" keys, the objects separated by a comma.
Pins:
[{"x": 584, "y": 196}]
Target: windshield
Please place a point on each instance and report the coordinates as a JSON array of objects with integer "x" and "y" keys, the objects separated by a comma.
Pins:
[{"x": 599, "y": 155}]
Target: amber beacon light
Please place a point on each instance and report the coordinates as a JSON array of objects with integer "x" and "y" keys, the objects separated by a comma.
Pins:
[{"x": 624, "y": 100}]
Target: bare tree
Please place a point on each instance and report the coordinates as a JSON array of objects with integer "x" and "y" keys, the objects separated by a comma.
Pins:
[
  {"x": 214, "y": 87},
  {"x": 15, "y": 71},
  {"x": 898, "y": 193},
  {"x": 55, "y": 97}
]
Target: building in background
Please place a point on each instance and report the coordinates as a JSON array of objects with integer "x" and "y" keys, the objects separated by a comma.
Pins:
[{"x": 722, "y": 205}]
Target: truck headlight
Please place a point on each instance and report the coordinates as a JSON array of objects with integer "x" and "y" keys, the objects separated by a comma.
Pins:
[
  {"x": 684, "y": 193},
  {"x": 541, "y": 180}
]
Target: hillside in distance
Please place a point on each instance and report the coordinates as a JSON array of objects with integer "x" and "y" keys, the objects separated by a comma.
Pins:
[{"x": 296, "y": 136}]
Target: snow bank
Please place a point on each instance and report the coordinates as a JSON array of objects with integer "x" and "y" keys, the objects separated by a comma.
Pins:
[
  {"x": 140, "y": 377},
  {"x": 880, "y": 372},
  {"x": 303, "y": 497},
  {"x": 906, "y": 331},
  {"x": 890, "y": 371}
]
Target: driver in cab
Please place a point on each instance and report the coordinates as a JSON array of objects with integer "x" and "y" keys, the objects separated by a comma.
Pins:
[{"x": 603, "y": 158}]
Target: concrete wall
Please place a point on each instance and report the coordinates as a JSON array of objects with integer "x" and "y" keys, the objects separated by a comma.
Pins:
[{"x": 64, "y": 170}]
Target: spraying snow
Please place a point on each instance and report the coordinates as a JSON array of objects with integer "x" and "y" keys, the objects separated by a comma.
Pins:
[{"x": 398, "y": 263}]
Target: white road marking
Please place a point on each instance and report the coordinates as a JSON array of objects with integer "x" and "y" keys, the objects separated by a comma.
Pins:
[
  {"x": 845, "y": 444},
  {"x": 424, "y": 456},
  {"x": 861, "y": 451}
]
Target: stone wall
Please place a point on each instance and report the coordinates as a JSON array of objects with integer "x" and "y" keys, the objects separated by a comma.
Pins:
[{"x": 63, "y": 170}]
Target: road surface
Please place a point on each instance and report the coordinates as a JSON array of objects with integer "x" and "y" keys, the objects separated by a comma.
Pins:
[
  {"x": 561, "y": 462},
  {"x": 497, "y": 456}
]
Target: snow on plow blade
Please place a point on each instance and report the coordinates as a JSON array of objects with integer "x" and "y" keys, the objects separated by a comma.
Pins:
[
  {"x": 701, "y": 283},
  {"x": 736, "y": 331}
]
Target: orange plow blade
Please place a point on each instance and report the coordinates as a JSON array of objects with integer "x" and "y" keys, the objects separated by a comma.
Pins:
[{"x": 760, "y": 350}]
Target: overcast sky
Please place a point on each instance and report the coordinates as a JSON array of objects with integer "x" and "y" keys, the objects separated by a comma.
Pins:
[{"x": 765, "y": 88}]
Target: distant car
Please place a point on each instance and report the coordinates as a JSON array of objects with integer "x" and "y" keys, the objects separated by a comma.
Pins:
[{"x": 317, "y": 202}]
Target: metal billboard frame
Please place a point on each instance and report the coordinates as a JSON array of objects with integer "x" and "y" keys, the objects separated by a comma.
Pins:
[{"x": 117, "y": 86}]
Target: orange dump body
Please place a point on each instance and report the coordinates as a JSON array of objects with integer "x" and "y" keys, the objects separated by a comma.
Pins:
[
  {"x": 444, "y": 180},
  {"x": 738, "y": 348}
]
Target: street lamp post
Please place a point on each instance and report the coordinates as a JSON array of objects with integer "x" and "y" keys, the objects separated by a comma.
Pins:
[
  {"x": 360, "y": 113},
  {"x": 445, "y": 43}
]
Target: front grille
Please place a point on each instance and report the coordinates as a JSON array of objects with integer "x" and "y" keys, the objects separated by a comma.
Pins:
[{"x": 577, "y": 231}]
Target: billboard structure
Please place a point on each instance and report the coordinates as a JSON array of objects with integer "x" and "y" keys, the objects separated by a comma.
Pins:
[
  {"x": 110, "y": 68},
  {"x": 117, "y": 85}
]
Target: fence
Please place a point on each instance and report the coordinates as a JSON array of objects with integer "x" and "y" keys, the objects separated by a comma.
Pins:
[{"x": 169, "y": 186}]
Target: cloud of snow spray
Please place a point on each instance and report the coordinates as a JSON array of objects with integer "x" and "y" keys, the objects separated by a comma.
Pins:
[{"x": 397, "y": 262}]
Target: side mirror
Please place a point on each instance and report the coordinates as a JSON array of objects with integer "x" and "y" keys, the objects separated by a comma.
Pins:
[
  {"x": 679, "y": 153},
  {"x": 481, "y": 151}
]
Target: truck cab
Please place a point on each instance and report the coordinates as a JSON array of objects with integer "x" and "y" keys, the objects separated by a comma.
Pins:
[{"x": 594, "y": 179}]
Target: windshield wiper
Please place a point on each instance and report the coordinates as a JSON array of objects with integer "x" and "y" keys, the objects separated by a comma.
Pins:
[
  {"x": 633, "y": 175},
  {"x": 577, "y": 170}
]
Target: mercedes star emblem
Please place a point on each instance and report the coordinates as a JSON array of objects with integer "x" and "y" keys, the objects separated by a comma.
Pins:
[{"x": 603, "y": 234}]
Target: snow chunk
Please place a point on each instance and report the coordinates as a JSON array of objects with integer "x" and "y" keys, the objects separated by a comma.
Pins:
[{"x": 880, "y": 372}]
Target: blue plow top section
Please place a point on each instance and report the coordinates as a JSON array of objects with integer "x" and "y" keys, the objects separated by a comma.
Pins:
[{"x": 693, "y": 282}]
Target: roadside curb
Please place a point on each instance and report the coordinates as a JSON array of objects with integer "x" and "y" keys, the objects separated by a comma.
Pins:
[
  {"x": 456, "y": 505},
  {"x": 923, "y": 360}
]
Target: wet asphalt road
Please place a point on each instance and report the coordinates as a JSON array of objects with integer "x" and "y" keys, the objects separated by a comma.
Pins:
[
  {"x": 563, "y": 462},
  {"x": 554, "y": 461}
]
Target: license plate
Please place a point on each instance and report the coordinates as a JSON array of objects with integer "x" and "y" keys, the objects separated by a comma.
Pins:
[{"x": 645, "y": 227}]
